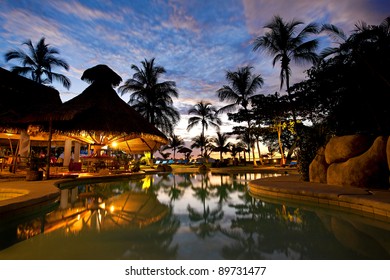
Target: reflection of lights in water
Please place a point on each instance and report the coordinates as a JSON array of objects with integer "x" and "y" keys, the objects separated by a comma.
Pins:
[
  {"x": 146, "y": 183},
  {"x": 287, "y": 216},
  {"x": 99, "y": 216}
]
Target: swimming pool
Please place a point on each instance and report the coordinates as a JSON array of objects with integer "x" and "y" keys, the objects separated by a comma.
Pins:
[{"x": 190, "y": 216}]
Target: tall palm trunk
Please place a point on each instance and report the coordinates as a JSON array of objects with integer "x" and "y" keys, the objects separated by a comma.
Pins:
[
  {"x": 251, "y": 143},
  {"x": 279, "y": 129},
  {"x": 259, "y": 152},
  {"x": 292, "y": 107},
  {"x": 253, "y": 154},
  {"x": 202, "y": 146}
]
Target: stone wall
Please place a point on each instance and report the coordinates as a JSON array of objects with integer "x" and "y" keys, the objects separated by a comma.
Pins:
[{"x": 353, "y": 160}]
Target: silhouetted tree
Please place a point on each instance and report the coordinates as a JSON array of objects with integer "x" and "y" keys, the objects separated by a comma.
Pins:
[
  {"x": 38, "y": 62},
  {"x": 151, "y": 98}
]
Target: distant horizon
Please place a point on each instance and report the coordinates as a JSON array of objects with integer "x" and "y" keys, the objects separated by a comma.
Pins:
[{"x": 195, "y": 41}]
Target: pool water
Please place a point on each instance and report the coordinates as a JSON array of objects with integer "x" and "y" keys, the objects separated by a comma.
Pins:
[{"x": 190, "y": 216}]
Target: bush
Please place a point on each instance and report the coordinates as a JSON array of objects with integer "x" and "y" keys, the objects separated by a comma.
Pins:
[{"x": 312, "y": 138}]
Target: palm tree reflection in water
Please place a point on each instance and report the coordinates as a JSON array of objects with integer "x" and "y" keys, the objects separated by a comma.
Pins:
[
  {"x": 206, "y": 221},
  {"x": 205, "y": 216}
]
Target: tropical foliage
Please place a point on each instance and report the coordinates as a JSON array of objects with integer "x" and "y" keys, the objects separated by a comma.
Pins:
[
  {"x": 346, "y": 91},
  {"x": 241, "y": 89},
  {"x": 38, "y": 63},
  {"x": 206, "y": 115},
  {"x": 151, "y": 98},
  {"x": 240, "y": 92},
  {"x": 221, "y": 144},
  {"x": 285, "y": 42},
  {"x": 175, "y": 143}
]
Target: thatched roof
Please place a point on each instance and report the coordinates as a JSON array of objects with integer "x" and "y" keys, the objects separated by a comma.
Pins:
[
  {"x": 20, "y": 97},
  {"x": 96, "y": 116},
  {"x": 98, "y": 111}
]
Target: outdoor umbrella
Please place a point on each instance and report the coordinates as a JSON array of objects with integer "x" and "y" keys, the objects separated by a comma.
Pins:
[{"x": 186, "y": 151}]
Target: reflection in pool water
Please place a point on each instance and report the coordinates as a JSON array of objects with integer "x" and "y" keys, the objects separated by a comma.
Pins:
[{"x": 190, "y": 216}]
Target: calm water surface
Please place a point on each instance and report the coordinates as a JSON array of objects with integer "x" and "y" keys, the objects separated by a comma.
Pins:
[{"x": 189, "y": 216}]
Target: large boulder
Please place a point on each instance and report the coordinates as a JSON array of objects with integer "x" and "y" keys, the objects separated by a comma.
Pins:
[
  {"x": 340, "y": 149},
  {"x": 318, "y": 168},
  {"x": 369, "y": 170}
]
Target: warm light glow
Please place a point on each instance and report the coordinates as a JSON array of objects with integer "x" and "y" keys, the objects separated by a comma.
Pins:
[
  {"x": 146, "y": 183},
  {"x": 112, "y": 208},
  {"x": 114, "y": 144},
  {"x": 85, "y": 174}
]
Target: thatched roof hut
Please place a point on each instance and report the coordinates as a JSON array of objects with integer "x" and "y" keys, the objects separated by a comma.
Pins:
[
  {"x": 96, "y": 116},
  {"x": 20, "y": 97},
  {"x": 99, "y": 116}
]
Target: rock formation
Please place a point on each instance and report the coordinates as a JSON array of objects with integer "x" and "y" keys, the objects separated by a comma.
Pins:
[
  {"x": 318, "y": 167},
  {"x": 353, "y": 160},
  {"x": 340, "y": 149}
]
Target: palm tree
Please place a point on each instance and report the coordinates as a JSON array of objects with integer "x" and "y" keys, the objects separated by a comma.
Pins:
[
  {"x": 163, "y": 153},
  {"x": 38, "y": 63},
  {"x": 220, "y": 144},
  {"x": 283, "y": 42},
  {"x": 244, "y": 144},
  {"x": 242, "y": 88},
  {"x": 152, "y": 99},
  {"x": 257, "y": 131},
  {"x": 241, "y": 147},
  {"x": 205, "y": 114},
  {"x": 237, "y": 149},
  {"x": 175, "y": 143},
  {"x": 241, "y": 91},
  {"x": 365, "y": 39},
  {"x": 199, "y": 142}
]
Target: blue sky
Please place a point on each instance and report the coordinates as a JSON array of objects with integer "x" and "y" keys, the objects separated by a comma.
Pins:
[{"x": 195, "y": 41}]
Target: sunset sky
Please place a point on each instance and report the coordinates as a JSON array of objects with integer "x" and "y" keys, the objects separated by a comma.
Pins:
[{"x": 195, "y": 41}]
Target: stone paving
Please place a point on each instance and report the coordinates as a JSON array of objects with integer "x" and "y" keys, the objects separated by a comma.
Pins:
[{"x": 35, "y": 193}]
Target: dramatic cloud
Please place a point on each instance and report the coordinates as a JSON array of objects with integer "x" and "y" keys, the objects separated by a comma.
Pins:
[
  {"x": 341, "y": 13},
  {"x": 196, "y": 41}
]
